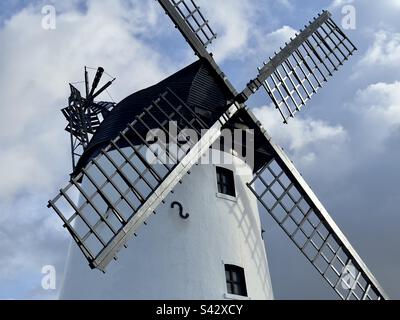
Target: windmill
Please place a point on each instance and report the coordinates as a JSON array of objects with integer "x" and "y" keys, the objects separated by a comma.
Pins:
[{"x": 213, "y": 249}]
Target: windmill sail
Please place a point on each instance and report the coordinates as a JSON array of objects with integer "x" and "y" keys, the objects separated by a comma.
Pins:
[
  {"x": 284, "y": 194},
  {"x": 187, "y": 17},
  {"x": 191, "y": 22},
  {"x": 125, "y": 184},
  {"x": 295, "y": 74},
  {"x": 195, "y": 20}
]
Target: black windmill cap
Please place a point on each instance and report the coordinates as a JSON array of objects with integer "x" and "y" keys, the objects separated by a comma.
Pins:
[{"x": 196, "y": 85}]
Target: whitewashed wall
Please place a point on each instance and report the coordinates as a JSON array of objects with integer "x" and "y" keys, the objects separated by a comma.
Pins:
[{"x": 174, "y": 258}]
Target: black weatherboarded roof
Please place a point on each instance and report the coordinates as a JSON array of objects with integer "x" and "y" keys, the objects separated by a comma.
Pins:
[{"x": 196, "y": 85}]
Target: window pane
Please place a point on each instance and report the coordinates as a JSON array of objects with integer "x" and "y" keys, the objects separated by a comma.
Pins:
[
  {"x": 236, "y": 289},
  {"x": 235, "y": 280},
  {"x": 235, "y": 277},
  {"x": 230, "y": 288},
  {"x": 226, "y": 181}
]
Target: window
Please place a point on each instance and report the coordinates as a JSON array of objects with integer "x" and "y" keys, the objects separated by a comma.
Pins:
[
  {"x": 226, "y": 181},
  {"x": 235, "y": 280}
]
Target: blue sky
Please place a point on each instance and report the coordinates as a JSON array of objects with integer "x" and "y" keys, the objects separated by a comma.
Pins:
[{"x": 345, "y": 142}]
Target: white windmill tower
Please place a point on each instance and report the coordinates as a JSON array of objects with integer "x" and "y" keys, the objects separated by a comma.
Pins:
[{"x": 196, "y": 227}]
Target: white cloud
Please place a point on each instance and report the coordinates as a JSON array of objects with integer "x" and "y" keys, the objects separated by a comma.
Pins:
[
  {"x": 238, "y": 28},
  {"x": 392, "y": 4},
  {"x": 339, "y": 3},
  {"x": 385, "y": 50},
  {"x": 381, "y": 102},
  {"x": 234, "y": 24},
  {"x": 299, "y": 134},
  {"x": 286, "y": 3},
  {"x": 275, "y": 40},
  {"x": 395, "y": 3},
  {"x": 36, "y": 67},
  {"x": 378, "y": 108}
]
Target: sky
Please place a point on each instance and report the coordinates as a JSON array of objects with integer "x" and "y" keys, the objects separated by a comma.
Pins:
[{"x": 345, "y": 142}]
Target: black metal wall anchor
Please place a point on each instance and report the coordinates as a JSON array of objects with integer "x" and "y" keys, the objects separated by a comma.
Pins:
[{"x": 183, "y": 216}]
